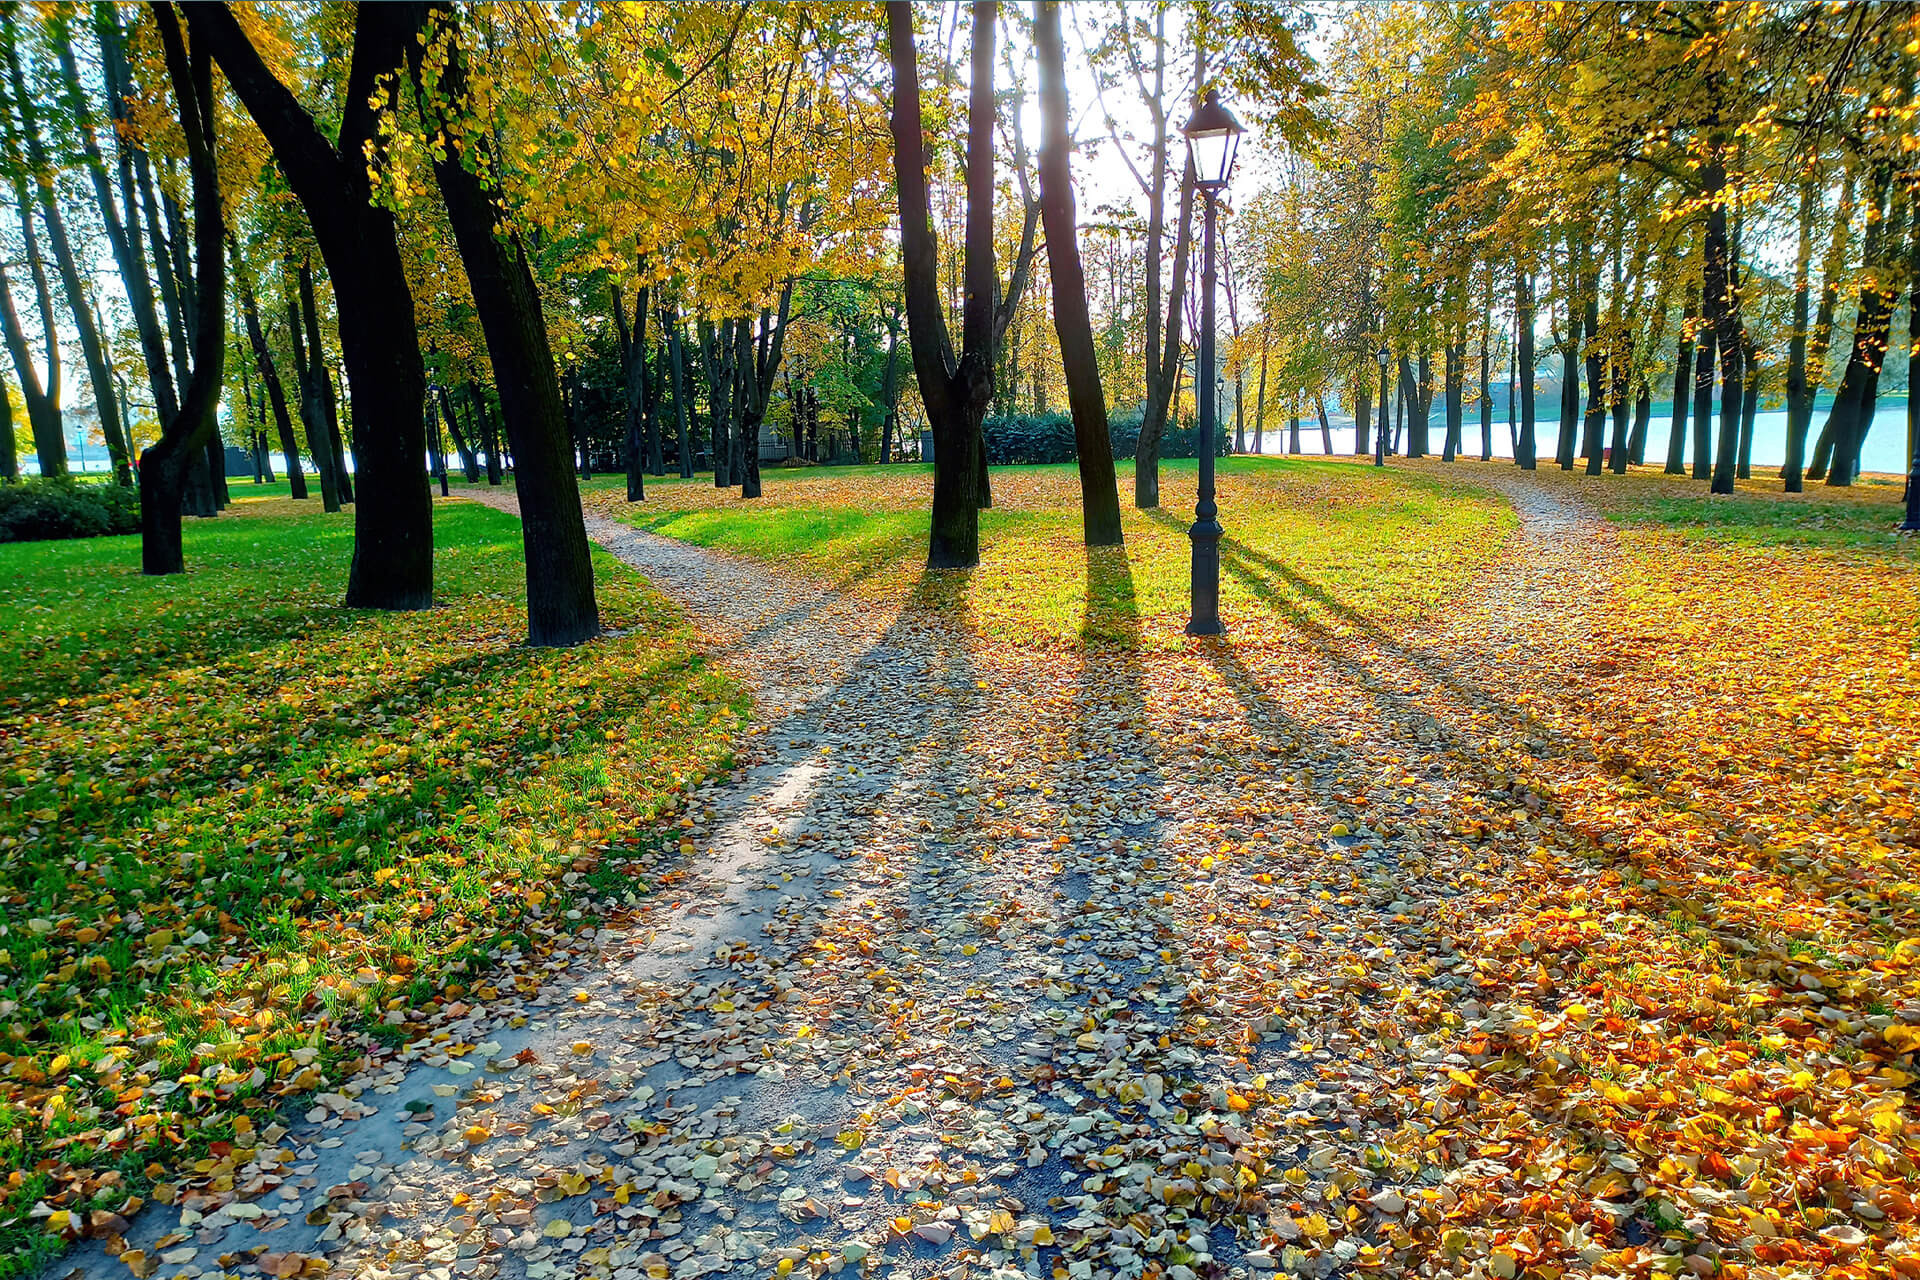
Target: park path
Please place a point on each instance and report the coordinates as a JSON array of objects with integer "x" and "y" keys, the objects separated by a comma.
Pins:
[{"x": 986, "y": 956}]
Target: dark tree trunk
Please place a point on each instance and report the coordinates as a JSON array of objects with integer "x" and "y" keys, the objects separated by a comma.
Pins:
[
  {"x": 165, "y": 269},
  {"x": 276, "y": 395},
  {"x": 1800, "y": 415},
  {"x": 1420, "y": 409},
  {"x": 317, "y": 369},
  {"x": 1161, "y": 386},
  {"x": 1722, "y": 284},
  {"x": 1079, "y": 360},
  {"x": 1619, "y": 401},
  {"x": 633, "y": 366},
  {"x": 890, "y": 389},
  {"x": 1455, "y": 374},
  {"x": 1853, "y": 403},
  {"x": 1566, "y": 448},
  {"x": 561, "y": 606},
  {"x": 79, "y": 303},
  {"x": 393, "y": 517},
  {"x": 462, "y": 441},
  {"x": 956, "y": 392},
  {"x": 716, "y": 351},
  {"x": 1362, "y": 412},
  {"x": 1260, "y": 397},
  {"x": 42, "y": 401},
  {"x": 1594, "y": 427},
  {"x": 1682, "y": 385},
  {"x": 163, "y": 463},
  {"x": 1486, "y": 374},
  {"x": 676, "y": 363},
  {"x": 477, "y": 401},
  {"x": 319, "y": 444},
  {"x": 9, "y": 453},
  {"x": 1749, "y": 407},
  {"x": 125, "y": 237},
  {"x": 1527, "y": 451},
  {"x": 1326, "y": 428},
  {"x": 759, "y": 360}
]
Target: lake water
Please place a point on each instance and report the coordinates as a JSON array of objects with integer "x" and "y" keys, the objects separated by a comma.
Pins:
[{"x": 1885, "y": 448}]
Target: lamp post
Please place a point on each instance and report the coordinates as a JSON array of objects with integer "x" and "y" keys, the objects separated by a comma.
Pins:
[
  {"x": 1213, "y": 135},
  {"x": 1380, "y": 433}
]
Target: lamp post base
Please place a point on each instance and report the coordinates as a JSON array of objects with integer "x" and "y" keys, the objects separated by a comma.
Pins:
[{"x": 1205, "y": 615}]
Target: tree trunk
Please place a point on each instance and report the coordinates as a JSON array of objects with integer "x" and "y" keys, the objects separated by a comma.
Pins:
[
  {"x": 1853, "y": 403},
  {"x": 1749, "y": 407},
  {"x": 633, "y": 366},
  {"x": 716, "y": 351},
  {"x": 125, "y": 236},
  {"x": 676, "y": 362},
  {"x": 759, "y": 365},
  {"x": 163, "y": 463},
  {"x": 319, "y": 444},
  {"x": 1526, "y": 453},
  {"x": 1260, "y": 396},
  {"x": 323, "y": 384},
  {"x": 79, "y": 304},
  {"x": 9, "y": 453},
  {"x": 890, "y": 389},
  {"x": 1326, "y": 428},
  {"x": 1821, "y": 337},
  {"x": 956, "y": 392},
  {"x": 1722, "y": 282},
  {"x": 1566, "y": 449},
  {"x": 1682, "y": 385},
  {"x": 1456, "y": 372},
  {"x": 462, "y": 440},
  {"x": 1594, "y": 427},
  {"x": 276, "y": 395},
  {"x": 561, "y": 606},
  {"x": 1079, "y": 360},
  {"x": 1486, "y": 374},
  {"x": 393, "y": 517},
  {"x": 477, "y": 400}
]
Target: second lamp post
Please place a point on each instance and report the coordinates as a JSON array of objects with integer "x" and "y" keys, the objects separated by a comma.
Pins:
[{"x": 1213, "y": 135}]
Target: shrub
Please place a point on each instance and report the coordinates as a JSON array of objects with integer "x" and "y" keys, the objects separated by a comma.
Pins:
[{"x": 42, "y": 508}]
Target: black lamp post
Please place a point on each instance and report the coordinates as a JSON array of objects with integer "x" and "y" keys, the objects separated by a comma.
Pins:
[
  {"x": 1213, "y": 135},
  {"x": 1380, "y": 435}
]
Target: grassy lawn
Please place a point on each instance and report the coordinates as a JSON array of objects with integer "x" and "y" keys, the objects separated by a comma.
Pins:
[
  {"x": 1300, "y": 534},
  {"x": 1858, "y": 518},
  {"x": 242, "y": 828}
]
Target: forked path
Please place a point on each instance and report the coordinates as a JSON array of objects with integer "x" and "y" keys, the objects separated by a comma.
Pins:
[{"x": 994, "y": 958}]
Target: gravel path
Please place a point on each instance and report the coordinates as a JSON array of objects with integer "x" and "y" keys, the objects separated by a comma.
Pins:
[{"x": 995, "y": 958}]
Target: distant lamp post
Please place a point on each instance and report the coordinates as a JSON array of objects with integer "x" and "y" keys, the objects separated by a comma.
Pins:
[
  {"x": 1213, "y": 135},
  {"x": 1380, "y": 432}
]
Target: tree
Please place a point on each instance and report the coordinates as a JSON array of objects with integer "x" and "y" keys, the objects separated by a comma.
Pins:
[
  {"x": 561, "y": 606},
  {"x": 955, "y": 390},
  {"x": 163, "y": 464},
  {"x": 1099, "y": 496},
  {"x": 393, "y": 518}
]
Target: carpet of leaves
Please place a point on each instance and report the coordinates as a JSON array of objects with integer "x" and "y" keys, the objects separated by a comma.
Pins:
[
  {"x": 1696, "y": 998},
  {"x": 246, "y": 835}
]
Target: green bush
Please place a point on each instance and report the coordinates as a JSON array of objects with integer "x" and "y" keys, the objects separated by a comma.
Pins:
[
  {"x": 1026, "y": 438},
  {"x": 41, "y": 508}
]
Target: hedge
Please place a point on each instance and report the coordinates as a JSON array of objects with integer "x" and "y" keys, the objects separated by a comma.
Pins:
[
  {"x": 40, "y": 508},
  {"x": 1024, "y": 438}
]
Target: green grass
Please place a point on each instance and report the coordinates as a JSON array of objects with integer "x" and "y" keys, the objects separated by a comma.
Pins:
[
  {"x": 1860, "y": 518},
  {"x": 1347, "y": 543},
  {"x": 239, "y": 822}
]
